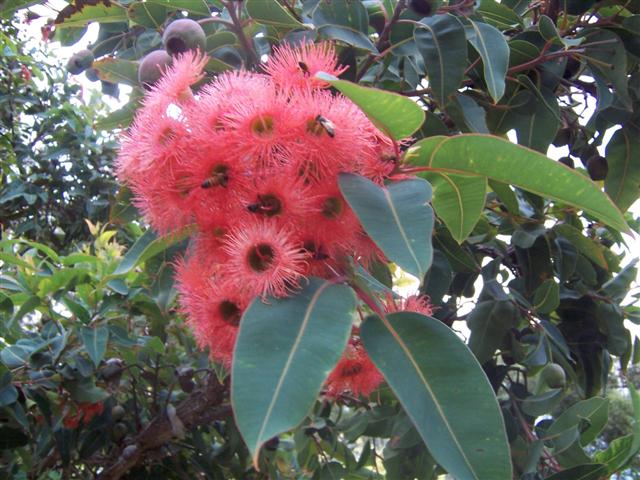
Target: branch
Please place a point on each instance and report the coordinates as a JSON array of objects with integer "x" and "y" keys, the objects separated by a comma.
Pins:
[
  {"x": 383, "y": 41},
  {"x": 201, "y": 407}
]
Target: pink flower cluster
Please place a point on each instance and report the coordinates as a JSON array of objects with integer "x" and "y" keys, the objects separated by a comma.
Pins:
[{"x": 253, "y": 160}]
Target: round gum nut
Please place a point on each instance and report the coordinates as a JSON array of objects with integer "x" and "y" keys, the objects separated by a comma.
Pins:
[
  {"x": 80, "y": 61},
  {"x": 152, "y": 66},
  {"x": 184, "y": 35}
]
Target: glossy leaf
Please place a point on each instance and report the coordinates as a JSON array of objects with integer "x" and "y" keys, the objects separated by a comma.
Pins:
[
  {"x": 546, "y": 297},
  {"x": 494, "y": 51},
  {"x": 499, "y": 15},
  {"x": 393, "y": 114},
  {"x": 458, "y": 200},
  {"x": 271, "y": 12},
  {"x": 117, "y": 71},
  {"x": 197, "y": 7},
  {"x": 285, "y": 350},
  {"x": 96, "y": 13},
  {"x": 147, "y": 246},
  {"x": 444, "y": 391},
  {"x": 594, "y": 410},
  {"x": 623, "y": 177},
  {"x": 443, "y": 45},
  {"x": 396, "y": 217},
  {"x": 489, "y": 322},
  {"x": 95, "y": 342},
  {"x": 344, "y": 21},
  {"x": 501, "y": 160}
]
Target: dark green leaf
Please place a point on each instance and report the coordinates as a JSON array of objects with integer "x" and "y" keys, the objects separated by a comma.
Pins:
[
  {"x": 443, "y": 45},
  {"x": 344, "y": 21},
  {"x": 489, "y": 322},
  {"x": 546, "y": 298},
  {"x": 95, "y": 342},
  {"x": 494, "y": 51},
  {"x": 285, "y": 351},
  {"x": 444, "y": 391},
  {"x": 536, "y": 405},
  {"x": 591, "y": 471},
  {"x": 96, "y": 13},
  {"x": 197, "y": 7},
  {"x": 116, "y": 70},
  {"x": 623, "y": 177},
  {"x": 397, "y": 218}
]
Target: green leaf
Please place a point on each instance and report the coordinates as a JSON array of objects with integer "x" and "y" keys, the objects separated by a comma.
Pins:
[
  {"x": 506, "y": 162},
  {"x": 498, "y": 15},
  {"x": 95, "y": 342},
  {"x": 397, "y": 218},
  {"x": 148, "y": 246},
  {"x": 344, "y": 21},
  {"x": 85, "y": 391},
  {"x": 595, "y": 411},
  {"x": 458, "y": 200},
  {"x": 271, "y": 12},
  {"x": 443, "y": 389},
  {"x": 15, "y": 356},
  {"x": 592, "y": 471},
  {"x": 623, "y": 177},
  {"x": 546, "y": 298},
  {"x": 197, "y": 7},
  {"x": 592, "y": 250},
  {"x": 393, "y": 114},
  {"x": 537, "y": 405},
  {"x": 537, "y": 127},
  {"x": 489, "y": 322},
  {"x": 285, "y": 350},
  {"x": 96, "y": 13},
  {"x": 443, "y": 45},
  {"x": 148, "y": 14},
  {"x": 494, "y": 51},
  {"x": 115, "y": 70}
]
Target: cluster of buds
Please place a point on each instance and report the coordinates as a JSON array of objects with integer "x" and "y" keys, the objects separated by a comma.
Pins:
[{"x": 252, "y": 159}]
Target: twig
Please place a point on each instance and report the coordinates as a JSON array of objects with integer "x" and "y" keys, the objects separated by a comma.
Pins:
[{"x": 200, "y": 408}]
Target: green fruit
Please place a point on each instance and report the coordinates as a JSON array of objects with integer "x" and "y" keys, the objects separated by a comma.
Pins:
[
  {"x": 597, "y": 167},
  {"x": 80, "y": 61},
  {"x": 119, "y": 431},
  {"x": 568, "y": 161},
  {"x": 184, "y": 35},
  {"x": 152, "y": 66},
  {"x": 553, "y": 376},
  {"x": 118, "y": 412}
]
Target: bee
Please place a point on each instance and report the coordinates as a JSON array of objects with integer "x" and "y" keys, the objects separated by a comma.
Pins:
[
  {"x": 303, "y": 66},
  {"x": 268, "y": 205},
  {"x": 327, "y": 124},
  {"x": 217, "y": 179}
]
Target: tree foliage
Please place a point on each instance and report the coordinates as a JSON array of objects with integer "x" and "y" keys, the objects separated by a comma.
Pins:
[{"x": 101, "y": 376}]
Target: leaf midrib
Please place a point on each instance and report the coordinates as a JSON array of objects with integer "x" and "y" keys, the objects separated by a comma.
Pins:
[
  {"x": 287, "y": 366},
  {"x": 415, "y": 365}
]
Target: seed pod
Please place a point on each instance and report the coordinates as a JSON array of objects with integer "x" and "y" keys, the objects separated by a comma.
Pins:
[
  {"x": 183, "y": 35},
  {"x": 117, "y": 413},
  {"x": 80, "y": 61},
  {"x": 597, "y": 167},
  {"x": 553, "y": 376},
  {"x": 423, "y": 7},
  {"x": 152, "y": 66}
]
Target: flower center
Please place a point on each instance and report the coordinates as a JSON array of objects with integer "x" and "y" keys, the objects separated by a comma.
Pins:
[
  {"x": 268, "y": 204},
  {"x": 219, "y": 176},
  {"x": 262, "y": 125},
  {"x": 260, "y": 257},
  {"x": 332, "y": 207},
  {"x": 351, "y": 370},
  {"x": 230, "y": 312}
]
